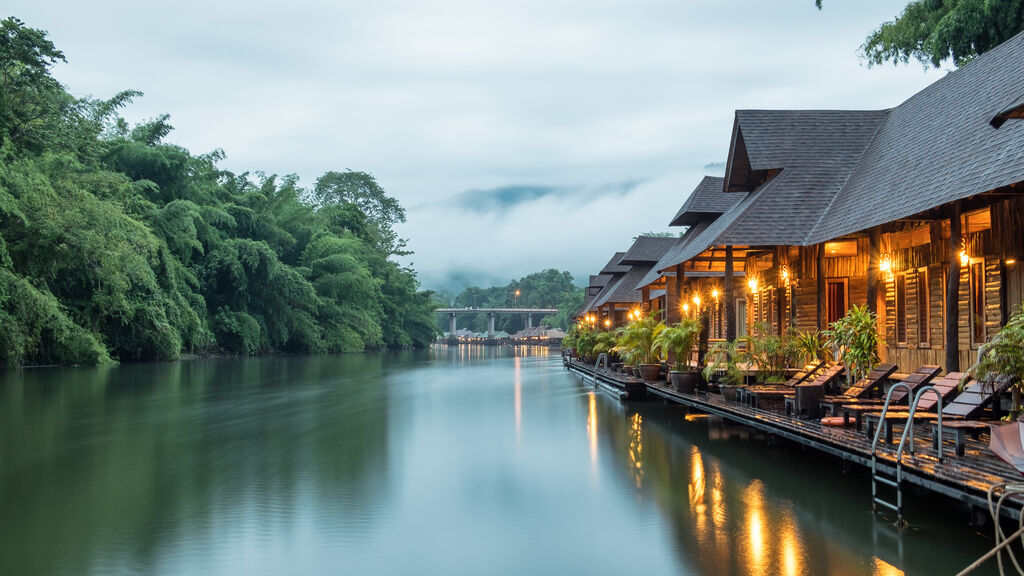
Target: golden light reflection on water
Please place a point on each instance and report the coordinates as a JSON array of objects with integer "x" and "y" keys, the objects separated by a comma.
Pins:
[
  {"x": 792, "y": 551},
  {"x": 697, "y": 492},
  {"x": 753, "y": 497},
  {"x": 519, "y": 398},
  {"x": 883, "y": 568},
  {"x": 718, "y": 515},
  {"x": 636, "y": 448},
  {"x": 592, "y": 428}
]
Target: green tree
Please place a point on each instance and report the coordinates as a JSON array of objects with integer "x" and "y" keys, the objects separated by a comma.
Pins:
[{"x": 932, "y": 31}]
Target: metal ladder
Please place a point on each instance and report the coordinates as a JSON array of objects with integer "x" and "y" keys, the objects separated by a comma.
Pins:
[{"x": 879, "y": 476}]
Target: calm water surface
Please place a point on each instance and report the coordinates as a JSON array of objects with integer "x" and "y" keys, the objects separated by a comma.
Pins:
[{"x": 470, "y": 461}]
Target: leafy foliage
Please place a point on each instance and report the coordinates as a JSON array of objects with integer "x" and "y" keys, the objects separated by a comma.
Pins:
[
  {"x": 117, "y": 245},
  {"x": 772, "y": 353},
  {"x": 548, "y": 289},
  {"x": 856, "y": 341},
  {"x": 932, "y": 31},
  {"x": 1003, "y": 355},
  {"x": 723, "y": 361},
  {"x": 679, "y": 339},
  {"x": 635, "y": 341}
]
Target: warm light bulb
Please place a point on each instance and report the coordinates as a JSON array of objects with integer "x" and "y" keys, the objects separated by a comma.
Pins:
[
  {"x": 886, "y": 263},
  {"x": 696, "y": 300},
  {"x": 964, "y": 259},
  {"x": 686, "y": 307},
  {"x": 607, "y": 323},
  {"x": 714, "y": 293},
  {"x": 785, "y": 273},
  {"x": 752, "y": 283}
]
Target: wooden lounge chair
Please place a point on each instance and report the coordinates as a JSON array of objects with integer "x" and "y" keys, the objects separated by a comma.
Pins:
[
  {"x": 946, "y": 386},
  {"x": 750, "y": 394},
  {"x": 967, "y": 405},
  {"x": 916, "y": 379},
  {"x": 823, "y": 379},
  {"x": 864, "y": 387}
]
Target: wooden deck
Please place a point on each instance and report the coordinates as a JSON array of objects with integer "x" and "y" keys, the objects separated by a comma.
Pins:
[{"x": 966, "y": 478}]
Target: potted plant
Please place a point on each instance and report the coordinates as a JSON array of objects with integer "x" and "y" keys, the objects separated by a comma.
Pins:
[
  {"x": 856, "y": 341},
  {"x": 678, "y": 340},
  {"x": 635, "y": 343},
  {"x": 723, "y": 367},
  {"x": 772, "y": 353},
  {"x": 604, "y": 343},
  {"x": 1003, "y": 355}
]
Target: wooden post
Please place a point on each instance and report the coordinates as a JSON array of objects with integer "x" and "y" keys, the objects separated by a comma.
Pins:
[
  {"x": 672, "y": 304},
  {"x": 611, "y": 314},
  {"x": 727, "y": 295},
  {"x": 645, "y": 296},
  {"x": 680, "y": 280},
  {"x": 953, "y": 293},
  {"x": 705, "y": 327},
  {"x": 822, "y": 296},
  {"x": 873, "y": 273}
]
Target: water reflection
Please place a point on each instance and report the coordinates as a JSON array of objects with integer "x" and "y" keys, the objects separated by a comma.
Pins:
[{"x": 592, "y": 428}]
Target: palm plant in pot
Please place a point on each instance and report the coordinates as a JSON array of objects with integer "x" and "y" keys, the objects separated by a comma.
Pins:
[
  {"x": 678, "y": 340},
  {"x": 856, "y": 341},
  {"x": 635, "y": 344},
  {"x": 723, "y": 367}
]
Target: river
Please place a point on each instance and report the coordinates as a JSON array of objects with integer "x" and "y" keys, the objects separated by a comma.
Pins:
[{"x": 445, "y": 461}]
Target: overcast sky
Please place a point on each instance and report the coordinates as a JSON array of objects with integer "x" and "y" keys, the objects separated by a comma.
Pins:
[{"x": 612, "y": 110}]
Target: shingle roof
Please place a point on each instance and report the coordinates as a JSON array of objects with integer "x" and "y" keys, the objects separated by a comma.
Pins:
[
  {"x": 613, "y": 266},
  {"x": 648, "y": 249},
  {"x": 655, "y": 272},
  {"x": 938, "y": 147},
  {"x": 707, "y": 200},
  {"x": 815, "y": 152},
  {"x": 622, "y": 290},
  {"x": 599, "y": 279}
]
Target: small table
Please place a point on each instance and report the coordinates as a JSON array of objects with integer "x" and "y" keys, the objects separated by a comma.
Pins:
[{"x": 961, "y": 428}]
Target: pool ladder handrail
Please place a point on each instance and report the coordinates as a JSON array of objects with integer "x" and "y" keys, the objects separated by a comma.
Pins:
[
  {"x": 600, "y": 357},
  {"x": 908, "y": 431}
]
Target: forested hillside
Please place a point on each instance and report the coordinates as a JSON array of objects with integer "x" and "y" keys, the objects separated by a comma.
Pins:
[
  {"x": 118, "y": 245},
  {"x": 548, "y": 289}
]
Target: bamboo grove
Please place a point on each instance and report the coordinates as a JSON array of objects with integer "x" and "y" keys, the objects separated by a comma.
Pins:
[{"x": 116, "y": 245}]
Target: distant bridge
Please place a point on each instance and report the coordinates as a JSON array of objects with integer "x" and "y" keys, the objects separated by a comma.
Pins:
[{"x": 491, "y": 313}]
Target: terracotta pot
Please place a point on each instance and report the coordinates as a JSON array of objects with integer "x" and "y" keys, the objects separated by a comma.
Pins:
[
  {"x": 684, "y": 381},
  {"x": 649, "y": 372}
]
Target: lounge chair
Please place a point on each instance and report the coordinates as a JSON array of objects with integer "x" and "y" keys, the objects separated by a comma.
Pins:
[
  {"x": 947, "y": 386},
  {"x": 967, "y": 405},
  {"x": 752, "y": 394},
  {"x": 823, "y": 379},
  {"x": 916, "y": 379}
]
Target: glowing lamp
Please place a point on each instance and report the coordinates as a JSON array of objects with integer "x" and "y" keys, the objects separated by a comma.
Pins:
[
  {"x": 1011, "y": 261},
  {"x": 696, "y": 300},
  {"x": 885, "y": 264},
  {"x": 752, "y": 283},
  {"x": 607, "y": 323},
  {"x": 686, "y": 308},
  {"x": 964, "y": 258},
  {"x": 714, "y": 293},
  {"x": 784, "y": 272}
]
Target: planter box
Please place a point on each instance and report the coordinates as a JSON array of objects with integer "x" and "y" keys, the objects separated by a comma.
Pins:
[{"x": 685, "y": 382}]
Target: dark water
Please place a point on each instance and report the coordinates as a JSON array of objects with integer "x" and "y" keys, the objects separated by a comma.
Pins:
[{"x": 441, "y": 462}]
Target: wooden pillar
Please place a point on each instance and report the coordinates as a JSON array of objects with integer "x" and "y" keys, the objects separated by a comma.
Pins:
[
  {"x": 822, "y": 296},
  {"x": 875, "y": 247},
  {"x": 645, "y": 296},
  {"x": 727, "y": 295},
  {"x": 705, "y": 327},
  {"x": 611, "y": 314},
  {"x": 680, "y": 284},
  {"x": 672, "y": 312},
  {"x": 953, "y": 293}
]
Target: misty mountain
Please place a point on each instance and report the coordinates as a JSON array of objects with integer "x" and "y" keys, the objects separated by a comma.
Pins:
[{"x": 506, "y": 197}]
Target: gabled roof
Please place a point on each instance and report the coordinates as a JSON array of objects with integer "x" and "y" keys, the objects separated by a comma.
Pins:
[
  {"x": 647, "y": 250},
  {"x": 613, "y": 266},
  {"x": 622, "y": 290},
  {"x": 707, "y": 201},
  {"x": 660, "y": 267},
  {"x": 599, "y": 279},
  {"x": 938, "y": 147}
]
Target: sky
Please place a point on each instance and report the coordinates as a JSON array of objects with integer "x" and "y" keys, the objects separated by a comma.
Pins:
[{"x": 519, "y": 135}]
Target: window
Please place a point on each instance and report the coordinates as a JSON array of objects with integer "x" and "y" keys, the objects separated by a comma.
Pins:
[
  {"x": 977, "y": 283},
  {"x": 836, "y": 299},
  {"x": 923, "y": 310},
  {"x": 741, "y": 317},
  {"x": 901, "y": 308}
]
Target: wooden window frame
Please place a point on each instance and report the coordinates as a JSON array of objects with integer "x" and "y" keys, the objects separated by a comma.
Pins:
[
  {"x": 924, "y": 308},
  {"x": 846, "y": 294},
  {"x": 900, "y": 308},
  {"x": 973, "y": 300}
]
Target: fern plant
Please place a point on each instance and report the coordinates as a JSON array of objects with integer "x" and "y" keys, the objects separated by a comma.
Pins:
[
  {"x": 678, "y": 340},
  {"x": 724, "y": 357},
  {"x": 635, "y": 341}
]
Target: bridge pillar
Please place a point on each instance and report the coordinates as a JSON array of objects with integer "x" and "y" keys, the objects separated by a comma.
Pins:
[
  {"x": 529, "y": 320},
  {"x": 452, "y": 338},
  {"x": 490, "y": 324}
]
